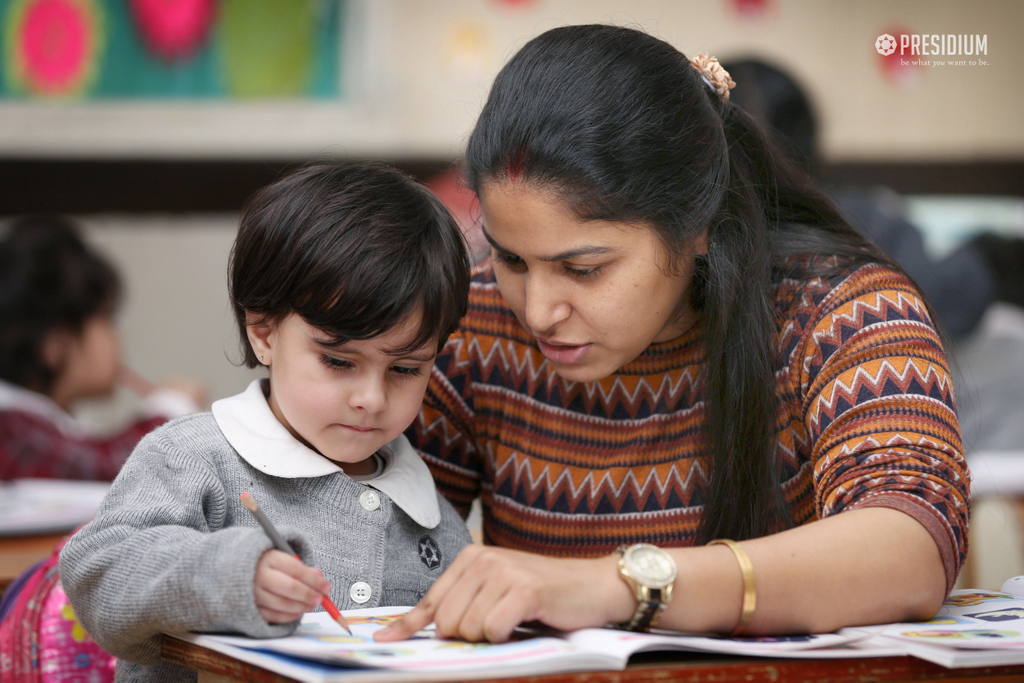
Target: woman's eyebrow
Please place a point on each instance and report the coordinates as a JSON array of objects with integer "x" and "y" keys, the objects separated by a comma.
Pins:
[
  {"x": 490, "y": 240},
  {"x": 567, "y": 255}
]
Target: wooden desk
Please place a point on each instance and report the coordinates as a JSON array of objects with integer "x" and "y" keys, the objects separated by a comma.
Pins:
[
  {"x": 686, "y": 668},
  {"x": 18, "y": 553}
]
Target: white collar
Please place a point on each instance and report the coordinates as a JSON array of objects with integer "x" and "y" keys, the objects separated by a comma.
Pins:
[
  {"x": 14, "y": 397},
  {"x": 255, "y": 433}
]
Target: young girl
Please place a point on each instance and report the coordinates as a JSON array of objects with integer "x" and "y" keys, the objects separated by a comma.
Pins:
[
  {"x": 681, "y": 351},
  {"x": 345, "y": 281},
  {"x": 58, "y": 345}
]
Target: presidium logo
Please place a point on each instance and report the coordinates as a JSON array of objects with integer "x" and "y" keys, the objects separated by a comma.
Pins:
[
  {"x": 885, "y": 44},
  {"x": 937, "y": 44}
]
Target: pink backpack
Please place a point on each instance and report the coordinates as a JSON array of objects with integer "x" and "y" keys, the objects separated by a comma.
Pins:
[{"x": 41, "y": 641}]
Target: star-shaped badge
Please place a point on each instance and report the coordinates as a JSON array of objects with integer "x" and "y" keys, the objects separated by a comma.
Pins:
[{"x": 429, "y": 552}]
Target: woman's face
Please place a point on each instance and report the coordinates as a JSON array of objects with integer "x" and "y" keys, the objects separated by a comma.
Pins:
[{"x": 594, "y": 294}]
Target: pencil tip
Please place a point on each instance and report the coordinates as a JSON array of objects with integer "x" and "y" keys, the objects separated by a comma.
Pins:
[{"x": 248, "y": 501}]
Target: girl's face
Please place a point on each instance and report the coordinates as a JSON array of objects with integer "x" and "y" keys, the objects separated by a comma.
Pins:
[
  {"x": 87, "y": 364},
  {"x": 594, "y": 294},
  {"x": 347, "y": 401}
]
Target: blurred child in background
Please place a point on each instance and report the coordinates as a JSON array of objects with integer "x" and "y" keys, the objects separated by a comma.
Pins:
[
  {"x": 59, "y": 344},
  {"x": 960, "y": 285},
  {"x": 963, "y": 285}
]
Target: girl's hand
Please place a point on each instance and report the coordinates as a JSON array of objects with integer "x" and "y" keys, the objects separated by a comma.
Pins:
[
  {"x": 189, "y": 386},
  {"x": 285, "y": 589},
  {"x": 488, "y": 591},
  {"x": 191, "y": 390}
]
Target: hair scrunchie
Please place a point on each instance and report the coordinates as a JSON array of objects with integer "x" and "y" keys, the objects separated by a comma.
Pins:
[{"x": 717, "y": 78}]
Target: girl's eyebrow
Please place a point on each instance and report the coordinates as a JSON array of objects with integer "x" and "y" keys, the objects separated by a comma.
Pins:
[
  {"x": 418, "y": 355},
  {"x": 567, "y": 255}
]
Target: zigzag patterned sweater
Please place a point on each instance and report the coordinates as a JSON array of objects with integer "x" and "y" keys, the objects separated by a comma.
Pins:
[{"x": 866, "y": 417}]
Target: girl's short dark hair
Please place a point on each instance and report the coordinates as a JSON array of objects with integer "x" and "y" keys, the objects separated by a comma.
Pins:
[
  {"x": 49, "y": 280},
  {"x": 353, "y": 248}
]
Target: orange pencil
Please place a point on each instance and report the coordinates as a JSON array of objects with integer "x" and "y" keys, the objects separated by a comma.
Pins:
[{"x": 281, "y": 544}]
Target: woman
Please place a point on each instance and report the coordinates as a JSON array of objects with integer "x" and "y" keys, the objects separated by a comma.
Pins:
[{"x": 678, "y": 341}]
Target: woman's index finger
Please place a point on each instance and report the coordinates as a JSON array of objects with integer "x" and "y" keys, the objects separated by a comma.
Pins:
[
  {"x": 423, "y": 613},
  {"x": 403, "y": 629}
]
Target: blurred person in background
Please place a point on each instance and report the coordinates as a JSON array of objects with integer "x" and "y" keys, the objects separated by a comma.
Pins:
[
  {"x": 960, "y": 285},
  {"x": 59, "y": 344}
]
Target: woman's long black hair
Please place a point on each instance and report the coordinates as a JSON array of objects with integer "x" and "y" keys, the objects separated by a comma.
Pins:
[{"x": 622, "y": 127}]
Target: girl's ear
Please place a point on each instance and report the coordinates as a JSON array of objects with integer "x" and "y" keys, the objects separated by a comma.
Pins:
[{"x": 261, "y": 336}]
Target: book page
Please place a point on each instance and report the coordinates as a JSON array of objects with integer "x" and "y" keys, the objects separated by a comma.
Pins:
[{"x": 320, "y": 638}]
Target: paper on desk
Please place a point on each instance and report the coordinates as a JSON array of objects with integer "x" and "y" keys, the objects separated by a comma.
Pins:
[
  {"x": 970, "y": 620},
  {"x": 37, "y": 506},
  {"x": 973, "y": 628}
]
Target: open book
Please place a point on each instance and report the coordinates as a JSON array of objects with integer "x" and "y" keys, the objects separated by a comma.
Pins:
[
  {"x": 321, "y": 652},
  {"x": 973, "y": 628}
]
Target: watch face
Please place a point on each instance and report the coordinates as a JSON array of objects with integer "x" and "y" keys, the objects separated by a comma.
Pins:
[{"x": 650, "y": 565}]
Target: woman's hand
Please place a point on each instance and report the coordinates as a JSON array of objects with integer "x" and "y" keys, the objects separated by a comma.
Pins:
[
  {"x": 488, "y": 591},
  {"x": 285, "y": 589}
]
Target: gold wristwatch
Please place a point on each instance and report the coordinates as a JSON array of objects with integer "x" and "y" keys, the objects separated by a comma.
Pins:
[{"x": 650, "y": 572}]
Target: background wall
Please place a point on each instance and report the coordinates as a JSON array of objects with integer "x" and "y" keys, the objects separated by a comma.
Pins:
[
  {"x": 416, "y": 72},
  {"x": 947, "y": 112},
  {"x": 175, "y": 319}
]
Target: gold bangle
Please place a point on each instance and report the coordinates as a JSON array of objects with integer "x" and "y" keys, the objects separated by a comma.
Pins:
[{"x": 749, "y": 590}]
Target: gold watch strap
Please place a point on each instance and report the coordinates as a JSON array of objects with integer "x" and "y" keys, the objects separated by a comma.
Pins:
[
  {"x": 647, "y": 614},
  {"x": 651, "y": 602}
]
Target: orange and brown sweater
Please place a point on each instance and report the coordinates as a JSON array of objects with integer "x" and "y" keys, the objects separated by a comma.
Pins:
[{"x": 866, "y": 417}]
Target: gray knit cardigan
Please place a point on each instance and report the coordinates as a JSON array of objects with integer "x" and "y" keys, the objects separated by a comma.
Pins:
[{"x": 173, "y": 549}]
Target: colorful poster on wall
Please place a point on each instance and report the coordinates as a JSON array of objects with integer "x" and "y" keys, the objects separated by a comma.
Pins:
[{"x": 129, "y": 49}]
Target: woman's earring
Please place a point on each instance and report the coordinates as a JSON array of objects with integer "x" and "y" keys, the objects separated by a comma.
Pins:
[{"x": 261, "y": 357}]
